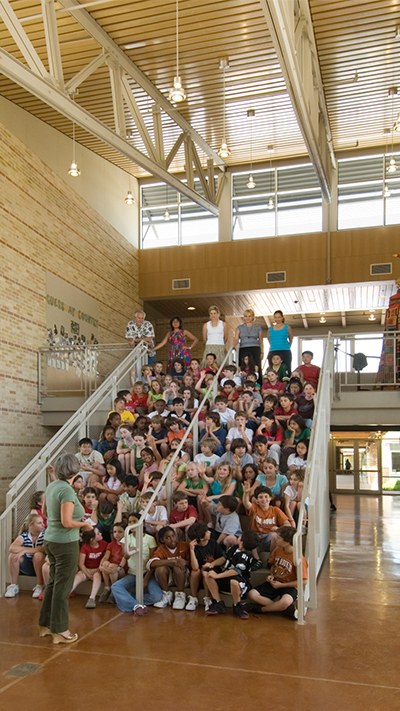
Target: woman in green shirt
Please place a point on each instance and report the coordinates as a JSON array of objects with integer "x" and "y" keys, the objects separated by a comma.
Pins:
[{"x": 61, "y": 542}]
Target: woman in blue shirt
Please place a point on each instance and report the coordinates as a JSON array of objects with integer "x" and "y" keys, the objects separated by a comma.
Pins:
[{"x": 280, "y": 337}]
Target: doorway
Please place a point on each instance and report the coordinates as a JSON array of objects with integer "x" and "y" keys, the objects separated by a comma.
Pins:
[{"x": 355, "y": 466}]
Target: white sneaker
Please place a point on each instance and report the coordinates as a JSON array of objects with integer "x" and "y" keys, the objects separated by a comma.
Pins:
[
  {"x": 12, "y": 590},
  {"x": 166, "y": 599},
  {"x": 192, "y": 603},
  {"x": 37, "y": 590},
  {"x": 180, "y": 601},
  {"x": 207, "y": 602}
]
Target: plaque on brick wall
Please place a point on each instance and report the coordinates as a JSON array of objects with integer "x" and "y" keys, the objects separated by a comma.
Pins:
[{"x": 72, "y": 315}]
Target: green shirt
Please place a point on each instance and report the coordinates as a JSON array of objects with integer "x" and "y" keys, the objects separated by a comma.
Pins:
[
  {"x": 304, "y": 434},
  {"x": 57, "y": 493},
  {"x": 191, "y": 485}
]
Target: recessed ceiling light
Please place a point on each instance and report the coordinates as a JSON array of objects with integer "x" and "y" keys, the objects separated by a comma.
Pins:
[{"x": 191, "y": 308}]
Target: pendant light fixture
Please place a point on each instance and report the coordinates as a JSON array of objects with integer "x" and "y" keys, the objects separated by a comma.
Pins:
[
  {"x": 386, "y": 191},
  {"x": 177, "y": 92},
  {"x": 224, "y": 151},
  {"x": 271, "y": 204},
  {"x": 251, "y": 183},
  {"x": 166, "y": 216},
  {"x": 129, "y": 196},
  {"x": 74, "y": 171},
  {"x": 392, "y": 167}
]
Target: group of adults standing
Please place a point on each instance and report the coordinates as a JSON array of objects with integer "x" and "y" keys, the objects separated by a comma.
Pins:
[{"x": 248, "y": 336}]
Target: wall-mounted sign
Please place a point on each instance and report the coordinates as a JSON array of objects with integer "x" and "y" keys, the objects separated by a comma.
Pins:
[{"x": 72, "y": 315}]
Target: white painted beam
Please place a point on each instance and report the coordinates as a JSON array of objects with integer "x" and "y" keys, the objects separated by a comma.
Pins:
[
  {"x": 21, "y": 39},
  {"x": 138, "y": 118},
  {"x": 304, "y": 319},
  {"x": 293, "y": 38},
  {"x": 116, "y": 92},
  {"x": 344, "y": 319},
  {"x": 267, "y": 321},
  {"x": 94, "y": 29},
  {"x": 158, "y": 133},
  {"x": 49, "y": 94},
  {"x": 84, "y": 73},
  {"x": 52, "y": 42},
  {"x": 174, "y": 150}
]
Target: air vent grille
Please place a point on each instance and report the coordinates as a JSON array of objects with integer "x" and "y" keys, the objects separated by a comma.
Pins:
[
  {"x": 273, "y": 277},
  {"x": 181, "y": 284},
  {"x": 381, "y": 268}
]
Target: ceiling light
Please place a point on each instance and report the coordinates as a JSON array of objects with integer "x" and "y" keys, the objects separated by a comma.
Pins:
[
  {"x": 74, "y": 171},
  {"x": 129, "y": 198},
  {"x": 271, "y": 204},
  {"x": 191, "y": 308},
  {"x": 386, "y": 192},
  {"x": 177, "y": 93},
  {"x": 397, "y": 123},
  {"x": 134, "y": 45},
  {"x": 322, "y": 319},
  {"x": 166, "y": 216},
  {"x": 270, "y": 149},
  {"x": 372, "y": 317},
  {"x": 250, "y": 115},
  {"x": 224, "y": 151},
  {"x": 392, "y": 167}
]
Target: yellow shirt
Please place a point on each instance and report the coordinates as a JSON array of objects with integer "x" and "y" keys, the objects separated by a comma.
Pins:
[{"x": 126, "y": 416}]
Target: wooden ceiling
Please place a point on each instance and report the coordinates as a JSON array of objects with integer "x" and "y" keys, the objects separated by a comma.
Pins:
[{"x": 357, "y": 47}]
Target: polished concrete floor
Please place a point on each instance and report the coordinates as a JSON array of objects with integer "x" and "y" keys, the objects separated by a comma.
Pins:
[{"x": 346, "y": 656}]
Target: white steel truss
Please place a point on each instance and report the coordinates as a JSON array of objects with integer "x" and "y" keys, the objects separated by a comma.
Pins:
[{"x": 49, "y": 87}]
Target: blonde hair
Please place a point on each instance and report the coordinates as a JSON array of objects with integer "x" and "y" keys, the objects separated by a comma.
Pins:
[
  {"x": 249, "y": 312},
  {"x": 228, "y": 481},
  {"x": 30, "y": 519},
  {"x": 214, "y": 308}
]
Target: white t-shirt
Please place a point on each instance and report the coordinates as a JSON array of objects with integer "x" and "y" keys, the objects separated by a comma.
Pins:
[
  {"x": 291, "y": 492},
  {"x": 208, "y": 461},
  {"x": 294, "y": 460},
  {"x": 165, "y": 413},
  {"x": 160, "y": 514},
  {"x": 236, "y": 379},
  {"x": 112, "y": 483},
  {"x": 234, "y": 433},
  {"x": 89, "y": 460},
  {"x": 225, "y": 416}
]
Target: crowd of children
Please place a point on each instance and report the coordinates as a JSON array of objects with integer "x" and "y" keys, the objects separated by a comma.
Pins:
[{"x": 233, "y": 500}]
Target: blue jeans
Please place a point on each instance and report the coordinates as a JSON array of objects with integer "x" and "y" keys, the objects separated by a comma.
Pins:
[{"x": 125, "y": 601}]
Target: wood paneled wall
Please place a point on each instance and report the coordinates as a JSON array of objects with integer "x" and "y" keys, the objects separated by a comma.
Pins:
[{"x": 242, "y": 265}]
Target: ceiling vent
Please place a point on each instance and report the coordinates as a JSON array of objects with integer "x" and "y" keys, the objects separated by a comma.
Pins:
[
  {"x": 274, "y": 277},
  {"x": 380, "y": 268},
  {"x": 180, "y": 284}
]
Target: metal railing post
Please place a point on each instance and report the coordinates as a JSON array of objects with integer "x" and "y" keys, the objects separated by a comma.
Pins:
[{"x": 139, "y": 564}]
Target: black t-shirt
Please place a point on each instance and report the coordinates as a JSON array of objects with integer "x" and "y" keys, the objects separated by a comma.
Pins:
[
  {"x": 305, "y": 407},
  {"x": 162, "y": 434},
  {"x": 242, "y": 561},
  {"x": 185, "y": 415},
  {"x": 208, "y": 553}
]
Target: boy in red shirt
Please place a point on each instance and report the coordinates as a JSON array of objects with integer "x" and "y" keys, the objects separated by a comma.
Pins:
[
  {"x": 138, "y": 402},
  {"x": 183, "y": 515},
  {"x": 113, "y": 563},
  {"x": 279, "y": 592},
  {"x": 286, "y": 409},
  {"x": 264, "y": 519},
  {"x": 170, "y": 561},
  {"x": 311, "y": 372}
]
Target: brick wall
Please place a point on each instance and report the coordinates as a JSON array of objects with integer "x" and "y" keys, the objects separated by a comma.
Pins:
[{"x": 45, "y": 225}]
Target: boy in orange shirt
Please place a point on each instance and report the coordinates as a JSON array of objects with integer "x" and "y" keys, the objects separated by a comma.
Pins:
[
  {"x": 279, "y": 592},
  {"x": 170, "y": 561},
  {"x": 175, "y": 431},
  {"x": 264, "y": 519}
]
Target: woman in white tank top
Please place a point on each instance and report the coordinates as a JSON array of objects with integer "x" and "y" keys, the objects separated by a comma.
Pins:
[{"x": 214, "y": 336}]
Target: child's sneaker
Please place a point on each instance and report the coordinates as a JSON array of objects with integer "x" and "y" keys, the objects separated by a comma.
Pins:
[
  {"x": 91, "y": 604},
  {"x": 216, "y": 608},
  {"x": 140, "y": 610},
  {"x": 12, "y": 590},
  {"x": 207, "y": 601},
  {"x": 111, "y": 598},
  {"x": 166, "y": 599},
  {"x": 291, "y": 613},
  {"x": 180, "y": 601},
  {"x": 41, "y": 596},
  {"x": 192, "y": 603},
  {"x": 239, "y": 612},
  {"x": 37, "y": 591},
  {"x": 105, "y": 595},
  {"x": 252, "y": 607}
]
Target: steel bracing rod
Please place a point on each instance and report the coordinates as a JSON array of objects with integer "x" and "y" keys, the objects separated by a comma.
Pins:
[
  {"x": 47, "y": 92},
  {"x": 21, "y": 39}
]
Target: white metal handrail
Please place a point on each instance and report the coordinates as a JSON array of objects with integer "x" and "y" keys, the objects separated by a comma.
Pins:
[
  {"x": 166, "y": 479},
  {"x": 76, "y": 427},
  {"x": 316, "y": 490}
]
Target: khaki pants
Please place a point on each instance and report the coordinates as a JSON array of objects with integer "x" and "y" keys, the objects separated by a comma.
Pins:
[{"x": 63, "y": 559}]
